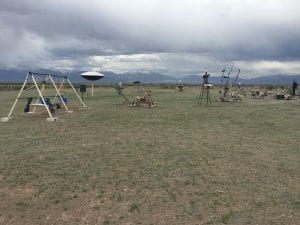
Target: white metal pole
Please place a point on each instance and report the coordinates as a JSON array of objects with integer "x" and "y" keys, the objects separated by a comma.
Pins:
[{"x": 92, "y": 89}]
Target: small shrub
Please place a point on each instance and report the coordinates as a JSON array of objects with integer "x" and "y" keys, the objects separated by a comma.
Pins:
[{"x": 133, "y": 207}]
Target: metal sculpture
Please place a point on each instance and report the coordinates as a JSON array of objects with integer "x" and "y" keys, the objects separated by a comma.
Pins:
[
  {"x": 204, "y": 93},
  {"x": 146, "y": 100},
  {"x": 119, "y": 88},
  {"x": 179, "y": 86},
  {"x": 226, "y": 95}
]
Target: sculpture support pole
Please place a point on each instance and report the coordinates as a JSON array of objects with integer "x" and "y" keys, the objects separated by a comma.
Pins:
[{"x": 92, "y": 89}]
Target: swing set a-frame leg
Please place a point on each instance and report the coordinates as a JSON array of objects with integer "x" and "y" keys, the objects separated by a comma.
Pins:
[
  {"x": 51, "y": 118},
  {"x": 59, "y": 94},
  {"x": 82, "y": 102},
  {"x": 9, "y": 117}
]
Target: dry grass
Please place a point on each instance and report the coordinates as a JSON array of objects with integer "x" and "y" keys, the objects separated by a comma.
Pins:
[{"x": 233, "y": 163}]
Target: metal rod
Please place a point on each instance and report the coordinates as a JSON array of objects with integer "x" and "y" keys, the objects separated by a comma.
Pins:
[
  {"x": 92, "y": 89},
  {"x": 47, "y": 74},
  {"x": 29, "y": 88}
]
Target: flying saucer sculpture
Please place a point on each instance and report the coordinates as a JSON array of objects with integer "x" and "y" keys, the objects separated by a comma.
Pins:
[{"x": 92, "y": 76}]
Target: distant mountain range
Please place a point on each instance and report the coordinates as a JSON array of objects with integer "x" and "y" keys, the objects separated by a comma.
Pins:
[{"x": 15, "y": 75}]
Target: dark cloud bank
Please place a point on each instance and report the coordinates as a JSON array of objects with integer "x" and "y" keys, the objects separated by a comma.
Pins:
[{"x": 170, "y": 36}]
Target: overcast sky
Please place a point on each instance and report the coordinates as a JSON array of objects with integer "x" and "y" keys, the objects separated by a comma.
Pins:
[{"x": 176, "y": 37}]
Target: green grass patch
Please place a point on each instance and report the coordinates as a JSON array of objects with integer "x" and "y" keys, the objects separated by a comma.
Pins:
[{"x": 179, "y": 163}]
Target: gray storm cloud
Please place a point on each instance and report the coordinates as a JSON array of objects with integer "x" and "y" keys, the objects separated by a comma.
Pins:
[{"x": 177, "y": 34}]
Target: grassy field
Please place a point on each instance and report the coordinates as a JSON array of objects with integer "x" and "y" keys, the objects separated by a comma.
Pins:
[{"x": 179, "y": 163}]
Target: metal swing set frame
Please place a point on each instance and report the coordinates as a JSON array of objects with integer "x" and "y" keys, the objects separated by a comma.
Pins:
[{"x": 39, "y": 81}]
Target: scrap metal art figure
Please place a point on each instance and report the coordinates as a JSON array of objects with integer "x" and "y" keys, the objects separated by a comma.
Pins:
[
  {"x": 138, "y": 100},
  {"x": 258, "y": 94},
  {"x": 146, "y": 99},
  {"x": 204, "y": 93},
  {"x": 179, "y": 86},
  {"x": 119, "y": 88},
  {"x": 294, "y": 87},
  {"x": 226, "y": 96}
]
